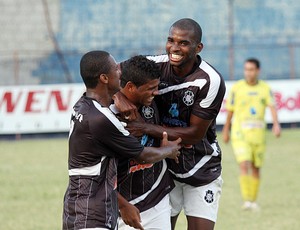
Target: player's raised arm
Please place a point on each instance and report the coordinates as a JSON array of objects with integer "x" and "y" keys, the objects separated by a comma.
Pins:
[{"x": 125, "y": 107}]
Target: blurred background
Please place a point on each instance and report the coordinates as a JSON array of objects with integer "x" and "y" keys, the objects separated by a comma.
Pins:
[
  {"x": 42, "y": 41},
  {"x": 41, "y": 44}
]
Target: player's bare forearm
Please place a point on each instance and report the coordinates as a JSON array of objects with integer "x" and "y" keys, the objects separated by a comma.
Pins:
[
  {"x": 189, "y": 135},
  {"x": 276, "y": 129},
  {"x": 226, "y": 127},
  {"x": 129, "y": 213},
  {"x": 274, "y": 115},
  {"x": 168, "y": 149}
]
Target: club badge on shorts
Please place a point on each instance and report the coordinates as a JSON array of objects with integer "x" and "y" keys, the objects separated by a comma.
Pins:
[{"x": 209, "y": 196}]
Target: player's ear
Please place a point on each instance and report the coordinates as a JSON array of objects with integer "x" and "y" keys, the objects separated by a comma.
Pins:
[
  {"x": 199, "y": 47},
  {"x": 130, "y": 87},
  {"x": 103, "y": 78}
]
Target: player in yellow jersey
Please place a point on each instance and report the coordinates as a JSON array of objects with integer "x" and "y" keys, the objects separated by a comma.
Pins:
[{"x": 246, "y": 106}]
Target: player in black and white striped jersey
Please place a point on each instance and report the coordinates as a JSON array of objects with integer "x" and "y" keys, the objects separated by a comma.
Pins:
[
  {"x": 188, "y": 102},
  {"x": 146, "y": 186},
  {"x": 97, "y": 138}
]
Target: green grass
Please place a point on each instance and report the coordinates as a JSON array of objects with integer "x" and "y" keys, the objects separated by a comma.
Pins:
[{"x": 33, "y": 179}]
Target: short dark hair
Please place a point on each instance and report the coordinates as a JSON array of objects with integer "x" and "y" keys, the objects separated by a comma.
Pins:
[
  {"x": 189, "y": 24},
  {"x": 255, "y": 61},
  {"x": 92, "y": 65},
  {"x": 139, "y": 70}
]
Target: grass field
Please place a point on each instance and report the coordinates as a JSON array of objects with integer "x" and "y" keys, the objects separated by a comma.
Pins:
[{"x": 33, "y": 179}]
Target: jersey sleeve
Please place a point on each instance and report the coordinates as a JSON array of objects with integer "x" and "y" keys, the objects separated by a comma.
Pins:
[
  {"x": 230, "y": 100},
  {"x": 209, "y": 100},
  {"x": 116, "y": 138}
]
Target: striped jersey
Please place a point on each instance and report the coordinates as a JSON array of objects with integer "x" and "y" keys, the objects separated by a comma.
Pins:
[
  {"x": 199, "y": 93},
  {"x": 97, "y": 138},
  {"x": 145, "y": 185}
]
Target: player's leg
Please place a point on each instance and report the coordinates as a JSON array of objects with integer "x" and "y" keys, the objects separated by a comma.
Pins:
[
  {"x": 201, "y": 205},
  {"x": 258, "y": 154},
  {"x": 173, "y": 221},
  {"x": 245, "y": 181},
  {"x": 197, "y": 223},
  {"x": 255, "y": 181},
  {"x": 176, "y": 202},
  {"x": 243, "y": 155}
]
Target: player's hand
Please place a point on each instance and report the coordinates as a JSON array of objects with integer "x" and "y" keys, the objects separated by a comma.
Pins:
[
  {"x": 276, "y": 129},
  {"x": 131, "y": 216},
  {"x": 128, "y": 110},
  {"x": 173, "y": 145}
]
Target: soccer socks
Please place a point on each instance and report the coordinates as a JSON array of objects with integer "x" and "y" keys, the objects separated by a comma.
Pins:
[
  {"x": 249, "y": 186},
  {"x": 245, "y": 186},
  {"x": 254, "y": 188}
]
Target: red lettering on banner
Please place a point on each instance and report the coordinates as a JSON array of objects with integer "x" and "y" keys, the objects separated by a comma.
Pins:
[
  {"x": 32, "y": 99},
  {"x": 289, "y": 103},
  {"x": 56, "y": 95},
  {"x": 35, "y": 101},
  {"x": 139, "y": 167},
  {"x": 10, "y": 105}
]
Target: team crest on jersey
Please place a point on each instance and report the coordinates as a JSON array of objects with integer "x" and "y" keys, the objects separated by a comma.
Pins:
[
  {"x": 148, "y": 112},
  {"x": 188, "y": 98},
  {"x": 209, "y": 196}
]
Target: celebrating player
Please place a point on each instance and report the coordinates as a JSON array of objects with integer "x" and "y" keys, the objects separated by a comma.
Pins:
[
  {"x": 96, "y": 139},
  {"x": 246, "y": 103},
  {"x": 146, "y": 186},
  {"x": 190, "y": 96}
]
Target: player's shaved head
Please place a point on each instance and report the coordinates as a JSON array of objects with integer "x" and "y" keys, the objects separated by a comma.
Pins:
[
  {"x": 189, "y": 24},
  {"x": 92, "y": 65}
]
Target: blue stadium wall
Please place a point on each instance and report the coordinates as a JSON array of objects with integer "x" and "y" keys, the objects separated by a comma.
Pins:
[{"x": 233, "y": 30}]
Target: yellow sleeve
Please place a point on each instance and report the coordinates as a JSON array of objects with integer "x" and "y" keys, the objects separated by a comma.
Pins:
[
  {"x": 269, "y": 96},
  {"x": 230, "y": 99}
]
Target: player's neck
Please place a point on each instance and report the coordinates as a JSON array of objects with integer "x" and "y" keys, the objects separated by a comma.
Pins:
[
  {"x": 252, "y": 82},
  {"x": 183, "y": 71},
  {"x": 103, "y": 98}
]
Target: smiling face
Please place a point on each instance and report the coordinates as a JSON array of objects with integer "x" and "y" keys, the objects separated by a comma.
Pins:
[
  {"x": 182, "y": 49},
  {"x": 144, "y": 94}
]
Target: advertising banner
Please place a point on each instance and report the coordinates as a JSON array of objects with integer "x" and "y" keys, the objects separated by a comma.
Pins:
[{"x": 47, "y": 108}]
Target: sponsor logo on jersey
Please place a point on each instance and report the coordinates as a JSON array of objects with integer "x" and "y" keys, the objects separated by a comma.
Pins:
[
  {"x": 139, "y": 167},
  {"x": 173, "y": 111}
]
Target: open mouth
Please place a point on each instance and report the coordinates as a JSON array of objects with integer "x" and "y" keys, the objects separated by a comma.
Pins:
[
  {"x": 150, "y": 98},
  {"x": 175, "y": 57}
]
